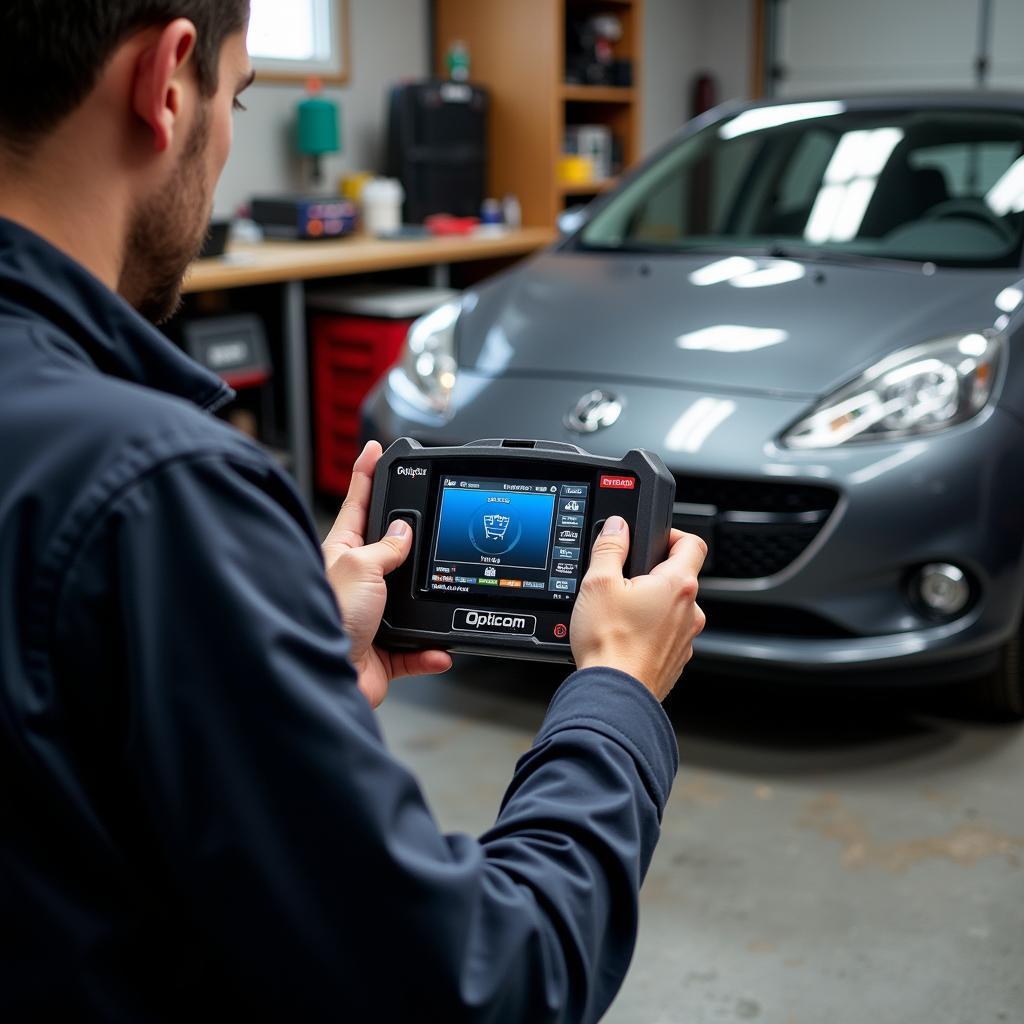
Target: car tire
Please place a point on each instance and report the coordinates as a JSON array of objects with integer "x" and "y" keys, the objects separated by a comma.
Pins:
[{"x": 1000, "y": 694}]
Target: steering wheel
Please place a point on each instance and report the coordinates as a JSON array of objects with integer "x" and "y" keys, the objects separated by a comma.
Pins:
[{"x": 970, "y": 209}]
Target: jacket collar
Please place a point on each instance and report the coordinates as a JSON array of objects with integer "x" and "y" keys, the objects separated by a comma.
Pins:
[{"x": 40, "y": 282}]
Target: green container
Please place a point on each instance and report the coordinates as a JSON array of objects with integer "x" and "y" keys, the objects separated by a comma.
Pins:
[{"x": 318, "y": 127}]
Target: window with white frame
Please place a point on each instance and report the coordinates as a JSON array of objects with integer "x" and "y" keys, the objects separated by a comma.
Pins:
[{"x": 299, "y": 38}]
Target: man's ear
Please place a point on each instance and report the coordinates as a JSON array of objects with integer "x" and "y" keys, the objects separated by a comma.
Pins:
[{"x": 157, "y": 89}]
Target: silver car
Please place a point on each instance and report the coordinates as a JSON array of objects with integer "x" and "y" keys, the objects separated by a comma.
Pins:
[{"x": 814, "y": 311}]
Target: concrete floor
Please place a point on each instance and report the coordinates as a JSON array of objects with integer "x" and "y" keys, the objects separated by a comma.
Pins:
[{"x": 826, "y": 856}]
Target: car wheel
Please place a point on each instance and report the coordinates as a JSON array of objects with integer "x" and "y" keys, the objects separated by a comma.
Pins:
[{"x": 1001, "y": 694}]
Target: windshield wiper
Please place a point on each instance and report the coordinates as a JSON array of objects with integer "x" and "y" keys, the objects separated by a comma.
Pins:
[
  {"x": 814, "y": 254},
  {"x": 716, "y": 248},
  {"x": 722, "y": 247}
]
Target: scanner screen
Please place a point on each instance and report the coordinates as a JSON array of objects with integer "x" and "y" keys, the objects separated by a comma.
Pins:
[{"x": 512, "y": 537}]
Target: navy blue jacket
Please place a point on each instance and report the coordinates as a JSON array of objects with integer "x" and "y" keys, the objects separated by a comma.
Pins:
[{"x": 197, "y": 811}]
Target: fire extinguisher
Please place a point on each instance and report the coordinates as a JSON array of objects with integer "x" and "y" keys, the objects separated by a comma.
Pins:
[{"x": 704, "y": 95}]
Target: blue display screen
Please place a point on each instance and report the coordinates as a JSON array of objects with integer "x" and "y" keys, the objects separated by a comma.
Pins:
[
  {"x": 511, "y": 528},
  {"x": 517, "y": 537}
]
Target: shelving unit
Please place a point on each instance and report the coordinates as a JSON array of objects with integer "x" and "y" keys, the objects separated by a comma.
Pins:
[
  {"x": 598, "y": 93},
  {"x": 517, "y": 51},
  {"x": 591, "y": 189}
]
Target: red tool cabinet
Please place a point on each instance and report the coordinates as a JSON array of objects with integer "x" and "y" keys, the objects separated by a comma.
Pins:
[{"x": 357, "y": 337}]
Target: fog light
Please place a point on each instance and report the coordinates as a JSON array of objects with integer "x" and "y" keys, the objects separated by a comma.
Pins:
[{"x": 942, "y": 588}]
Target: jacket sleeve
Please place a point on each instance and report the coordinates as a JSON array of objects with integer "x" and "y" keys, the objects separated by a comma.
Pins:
[{"x": 303, "y": 851}]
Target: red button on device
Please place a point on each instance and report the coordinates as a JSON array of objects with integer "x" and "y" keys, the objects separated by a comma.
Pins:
[
  {"x": 619, "y": 483},
  {"x": 560, "y": 630}
]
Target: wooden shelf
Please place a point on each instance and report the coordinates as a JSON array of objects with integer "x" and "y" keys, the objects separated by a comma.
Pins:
[
  {"x": 275, "y": 262},
  {"x": 518, "y": 50},
  {"x": 598, "y": 93},
  {"x": 592, "y": 188}
]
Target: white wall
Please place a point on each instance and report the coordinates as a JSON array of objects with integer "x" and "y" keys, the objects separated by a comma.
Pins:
[
  {"x": 726, "y": 33},
  {"x": 388, "y": 42},
  {"x": 671, "y": 47},
  {"x": 684, "y": 38}
]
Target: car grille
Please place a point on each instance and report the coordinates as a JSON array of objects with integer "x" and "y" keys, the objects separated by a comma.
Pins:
[
  {"x": 768, "y": 620},
  {"x": 754, "y": 528}
]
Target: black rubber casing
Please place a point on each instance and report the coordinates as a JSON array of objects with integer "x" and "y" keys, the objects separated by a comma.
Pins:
[{"x": 417, "y": 619}]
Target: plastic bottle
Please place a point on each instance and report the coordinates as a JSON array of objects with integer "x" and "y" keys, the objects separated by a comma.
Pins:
[
  {"x": 513, "y": 212},
  {"x": 490, "y": 212},
  {"x": 382, "y": 206},
  {"x": 458, "y": 61}
]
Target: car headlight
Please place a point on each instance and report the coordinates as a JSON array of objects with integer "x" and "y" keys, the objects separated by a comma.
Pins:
[
  {"x": 915, "y": 391},
  {"x": 428, "y": 360}
]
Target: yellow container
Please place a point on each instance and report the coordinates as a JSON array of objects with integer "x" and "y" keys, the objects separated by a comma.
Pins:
[
  {"x": 351, "y": 185},
  {"x": 575, "y": 170}
]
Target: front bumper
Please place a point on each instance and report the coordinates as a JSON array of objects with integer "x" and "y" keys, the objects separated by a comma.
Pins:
[{"x": 843, "y": 604}]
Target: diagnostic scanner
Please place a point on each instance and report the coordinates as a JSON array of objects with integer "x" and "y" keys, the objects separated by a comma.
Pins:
[{"x": 502, "y": 532}]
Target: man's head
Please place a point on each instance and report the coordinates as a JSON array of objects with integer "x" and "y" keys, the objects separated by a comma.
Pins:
[{"x": 144, "y": 89}]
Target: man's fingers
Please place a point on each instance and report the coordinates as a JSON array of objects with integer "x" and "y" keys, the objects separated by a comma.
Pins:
[
  {"x": 610, "y": 549},
  {"x": 349, "y": 529},
  {"x": 685, "y": 557},
  {"x": 367, "y": 460},
  {"x": 419, "y": 663}
]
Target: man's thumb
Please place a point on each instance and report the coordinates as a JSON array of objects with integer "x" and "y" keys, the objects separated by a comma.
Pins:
[
  {"x": 611, "y": 547},
  {"x": 393, "y": 548}
]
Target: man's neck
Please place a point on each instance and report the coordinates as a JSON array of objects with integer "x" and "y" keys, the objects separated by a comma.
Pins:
[{"x": 61, "y": 195}]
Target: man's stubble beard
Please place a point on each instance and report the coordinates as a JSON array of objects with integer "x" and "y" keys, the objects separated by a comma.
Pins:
[{"x": 166, "y": 232}]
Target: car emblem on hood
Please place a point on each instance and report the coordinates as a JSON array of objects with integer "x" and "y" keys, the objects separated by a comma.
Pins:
[{"x": 596, "y": 409}]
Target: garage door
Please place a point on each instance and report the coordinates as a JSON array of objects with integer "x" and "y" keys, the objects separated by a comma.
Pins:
[{"x": 881, "y": 45}]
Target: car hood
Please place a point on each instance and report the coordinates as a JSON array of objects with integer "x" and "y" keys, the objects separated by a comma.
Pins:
[{"x": 800, "y": 328}]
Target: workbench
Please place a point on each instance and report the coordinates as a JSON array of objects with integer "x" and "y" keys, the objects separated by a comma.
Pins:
[{"x": 290, "y": 264}]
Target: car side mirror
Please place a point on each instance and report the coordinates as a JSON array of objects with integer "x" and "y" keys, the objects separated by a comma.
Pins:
[{"x": 571, "y": 220}]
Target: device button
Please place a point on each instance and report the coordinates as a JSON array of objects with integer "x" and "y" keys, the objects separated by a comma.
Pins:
[
  {"x": 561, "y": 631},
  {"x": 407, "y": 517}
]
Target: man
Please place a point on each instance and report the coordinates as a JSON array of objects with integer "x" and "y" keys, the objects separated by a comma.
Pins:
[{"x": 197, "y": 814}]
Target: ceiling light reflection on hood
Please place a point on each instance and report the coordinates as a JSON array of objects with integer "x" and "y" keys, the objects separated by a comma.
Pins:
[
  {"x": 743, "y": 272},
  {"x": 732, "y": 338},
  {"x": 696, "y": 425},
  {"x": 779, "y": 272},
  {"x": 723, "y": 270}
]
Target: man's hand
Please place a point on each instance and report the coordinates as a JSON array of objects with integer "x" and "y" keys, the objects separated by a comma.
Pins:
[
  {"x": 356, "y": 571},
  {"x": 644, "y": 626}
]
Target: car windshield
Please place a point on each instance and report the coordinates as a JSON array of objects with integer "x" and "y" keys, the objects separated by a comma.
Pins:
[{"x": 818, "y": 180}]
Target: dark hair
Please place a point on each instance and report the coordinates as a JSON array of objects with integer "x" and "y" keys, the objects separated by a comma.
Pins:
[{"x": 52, "y": 52}]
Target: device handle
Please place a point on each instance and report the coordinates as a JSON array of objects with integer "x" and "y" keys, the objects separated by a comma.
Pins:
[{"x": 537, "y": 446}]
